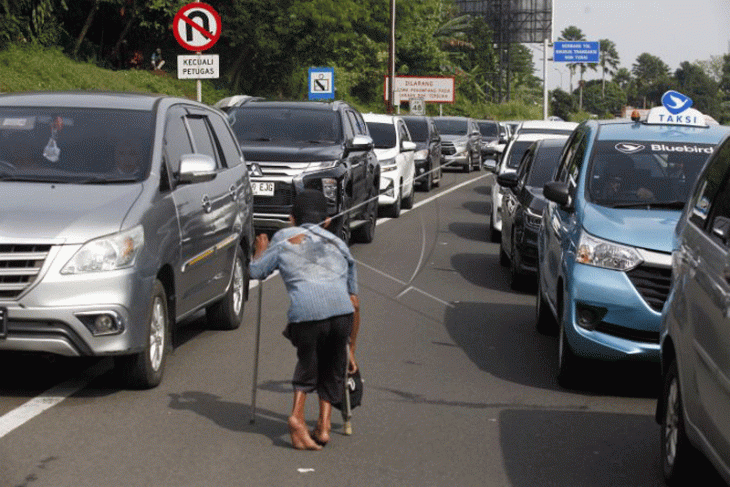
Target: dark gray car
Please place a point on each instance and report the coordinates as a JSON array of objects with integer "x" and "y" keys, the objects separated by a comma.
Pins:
[
  {"x": 121, "y": 215},
  {"x": 461, "y": 142},
  {"x": 695, "y": 336}
]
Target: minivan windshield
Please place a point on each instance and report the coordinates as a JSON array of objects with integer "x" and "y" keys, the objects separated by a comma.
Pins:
[
  {"x": 75, "y": 145},
  {"x": 451, "y": 126},
  {"x": 645, "y": 174},
  {"x": 418, "y": 129},
  {"x": 285, "y": 124},
  {"x": 383, "y": 134}
]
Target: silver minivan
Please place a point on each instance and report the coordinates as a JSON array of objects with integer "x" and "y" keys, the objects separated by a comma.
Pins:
[
  {"x": 695, "y": 339},
  {"x": 120, "y": 215}
]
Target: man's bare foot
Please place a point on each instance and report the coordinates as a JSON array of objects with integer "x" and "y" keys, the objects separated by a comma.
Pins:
[
  {"x": 300, "y": 438},
  {"x": 321, "y": 435}
]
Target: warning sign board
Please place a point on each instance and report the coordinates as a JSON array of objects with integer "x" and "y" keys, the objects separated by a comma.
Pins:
[
  {"x": 433, "y": 89},
  {"x": 321, "y": 83},
  {"x": 197, "y": 26}
]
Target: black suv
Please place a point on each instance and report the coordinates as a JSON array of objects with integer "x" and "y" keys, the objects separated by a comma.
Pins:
[{"x": 289, "y": 146}]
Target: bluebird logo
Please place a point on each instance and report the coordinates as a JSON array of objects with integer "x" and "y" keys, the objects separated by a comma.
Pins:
[
  {"x": 676, "y": 102},
  {"x": 628, "y": 147}
]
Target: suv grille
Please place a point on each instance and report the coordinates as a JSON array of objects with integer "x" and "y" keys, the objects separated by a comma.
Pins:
[
  {"x": 19, "y": 266},
  {"x": 283, "y": 197},
  {"x": 448, "y": 148},
  {"x": 652, "y": 283}
]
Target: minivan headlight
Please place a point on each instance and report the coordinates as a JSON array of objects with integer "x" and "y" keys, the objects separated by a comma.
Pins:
[
  {"x": 108, "y": 253},
  {"x": 421, "y": 155},
  {"x": 609, "y": 255},
  {"x": 388, "y": 165}
]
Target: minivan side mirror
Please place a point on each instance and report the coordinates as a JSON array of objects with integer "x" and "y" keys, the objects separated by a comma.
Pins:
[
  {"x": 557, "y": 192},
  {"x": 196, "y": 168},
  {"x": 508, "y": 179},
  {"x": 407, "y": 146}
]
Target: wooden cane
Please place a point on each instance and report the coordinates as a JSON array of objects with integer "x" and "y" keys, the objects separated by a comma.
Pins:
[
  {"x": 256, "y": 355},
  {"x": 347, "y": 410}
]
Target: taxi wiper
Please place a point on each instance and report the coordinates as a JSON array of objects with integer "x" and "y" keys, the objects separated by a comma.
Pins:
[
  {"x": 669, "y": 205},
  {"x": 259, "y": 139}
]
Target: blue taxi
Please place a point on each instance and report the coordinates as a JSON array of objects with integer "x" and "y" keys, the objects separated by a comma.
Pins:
[{"x": 605, "y": 242}]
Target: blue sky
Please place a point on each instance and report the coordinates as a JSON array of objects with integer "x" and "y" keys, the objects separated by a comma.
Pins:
[{"x": 673, "y": 30}]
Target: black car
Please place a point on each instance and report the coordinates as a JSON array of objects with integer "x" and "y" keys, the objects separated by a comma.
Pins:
[
  {"x": 290, "y": 146},
  {"x": 522, "y": 206},
  {"x": 428, "y": 151},
  {"x": 461, "y": 142}
]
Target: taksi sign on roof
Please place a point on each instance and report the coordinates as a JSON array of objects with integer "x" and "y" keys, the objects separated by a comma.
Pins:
[{"x": 676, "y": 110}]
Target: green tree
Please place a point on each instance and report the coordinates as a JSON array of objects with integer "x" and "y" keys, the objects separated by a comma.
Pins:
[
  {"x": 651, "y": 75},
  {"x": 605, "y": 100},
  {"x": 572, "y": 33},
  {"x": 33, "y": 21},
  {"x": 694, "y": 82},
  {"x": 609, "y": 60},
  {"x": 562, "y": 104}
]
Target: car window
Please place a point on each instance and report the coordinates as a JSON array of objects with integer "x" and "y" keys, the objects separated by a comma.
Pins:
[
  {"x": 383, "y": 134},
  {"x": 658, "y": 172},
  {"x": 177, "y": 138},
  {"x": 516, "y": 153},
  {"x": 720, "y": 208},
  {"x": 403, "y": 131},
  {"x": 543, "y": 166},
  {"x": 488, "y": 129},
  {"x": 285, "y": 124},
  {"x": 230, "y": 150},
  {"x": 451, "y": 126},
  {"x": 418, "y": 128},
  {"x": 573, "y": 158},
  {"x": 75, "y": 145},
  {"x": 358, "y": 124},
  {"x": 202, "y": 142},
  {"x": 709, "y": 184}
]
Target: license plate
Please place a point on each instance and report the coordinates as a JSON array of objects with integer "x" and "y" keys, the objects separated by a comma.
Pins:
[
  {"x": 262, "y": 188},
  {"x": 3, "y": 322}
]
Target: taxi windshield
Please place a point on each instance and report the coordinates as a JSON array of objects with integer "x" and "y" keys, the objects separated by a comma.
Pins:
[
  {"x": 645, "y": 174},
  {"x": 74, "y": 145}
]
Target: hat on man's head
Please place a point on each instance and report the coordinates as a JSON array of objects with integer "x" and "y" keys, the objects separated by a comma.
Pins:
[{"x": 310, "y": 206}]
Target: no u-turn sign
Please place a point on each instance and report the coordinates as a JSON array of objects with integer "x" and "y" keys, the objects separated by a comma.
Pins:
[{"x": 197, "y": 26}]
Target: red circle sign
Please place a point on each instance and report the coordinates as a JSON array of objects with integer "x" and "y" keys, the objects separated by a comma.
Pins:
[{"x": 197, "y": 26}]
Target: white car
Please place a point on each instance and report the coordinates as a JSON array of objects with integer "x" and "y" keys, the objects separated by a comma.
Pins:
[
  {"x": 509, "y": 162},
  {"x": 395, "y": 152}
]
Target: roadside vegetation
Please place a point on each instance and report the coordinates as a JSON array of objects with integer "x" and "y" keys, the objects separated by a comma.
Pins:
[{"x": 266, "y": 47}]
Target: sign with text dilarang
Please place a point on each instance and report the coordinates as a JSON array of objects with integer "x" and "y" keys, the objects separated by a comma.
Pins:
[{"x": 432, "y": 89}]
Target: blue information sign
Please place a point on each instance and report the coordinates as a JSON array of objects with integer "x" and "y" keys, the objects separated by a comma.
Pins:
[
  {"x": 321, "y": 83},
  {"x": 576, "y": 51}
]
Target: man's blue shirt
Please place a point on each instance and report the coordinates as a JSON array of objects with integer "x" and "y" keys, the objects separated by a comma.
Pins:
[{"x": 319, "y": 272}]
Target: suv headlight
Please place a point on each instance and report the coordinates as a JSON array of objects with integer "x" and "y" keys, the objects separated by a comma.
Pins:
[
  {"x": 532, "y": 219},
  {"x": 388, "y": 165},
  {"x": 319, "y": 165},
  {"x": 108, "y": 253},
  {"x": 609, "y": 255}
]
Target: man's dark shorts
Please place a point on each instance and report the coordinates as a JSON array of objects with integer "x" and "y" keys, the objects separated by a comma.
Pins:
[{"x": 322, "y": 355}]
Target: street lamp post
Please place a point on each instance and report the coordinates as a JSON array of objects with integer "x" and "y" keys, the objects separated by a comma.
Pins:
[{"x": 391, "y": 59}]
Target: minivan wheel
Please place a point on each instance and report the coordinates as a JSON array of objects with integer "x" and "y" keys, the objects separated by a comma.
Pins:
[
  {"x": 677, "y": 452},
  {"x": 144, "y": 370},
  {"x": 227, "y": 314},
  {"x": 408, "y": 200},
  {"x": 467, "y": 168},
  {"x": 393, "y": 211}
]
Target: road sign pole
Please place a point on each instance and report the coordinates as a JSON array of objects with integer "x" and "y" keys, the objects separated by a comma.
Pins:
[{"x": 199, "y": 85}]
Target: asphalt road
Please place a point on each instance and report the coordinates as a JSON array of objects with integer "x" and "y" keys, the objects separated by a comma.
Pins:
[{"x": 460, "y": 389}]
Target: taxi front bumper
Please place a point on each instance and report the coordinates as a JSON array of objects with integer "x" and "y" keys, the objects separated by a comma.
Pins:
[{"x": 607, "y": 318}]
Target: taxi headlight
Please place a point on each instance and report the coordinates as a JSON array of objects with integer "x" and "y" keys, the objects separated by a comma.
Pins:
[
  {"x": 108, "y": 253},
  {"x": 388, "y": 165},
  {"x": 609, "y": 255},
  {"x": 532, "y": 219}
]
